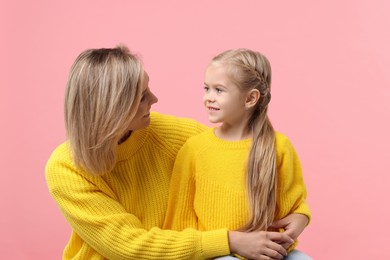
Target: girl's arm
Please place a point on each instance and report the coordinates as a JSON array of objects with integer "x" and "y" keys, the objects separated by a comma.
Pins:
[
  {"x": 294, "y": 213},
  {"x": 293, "y": 224}
]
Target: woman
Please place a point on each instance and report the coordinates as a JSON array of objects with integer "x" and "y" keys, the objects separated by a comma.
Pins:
[{"x": 111, "y": 178}]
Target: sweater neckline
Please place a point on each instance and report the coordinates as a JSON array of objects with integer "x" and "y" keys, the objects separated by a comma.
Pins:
[
  {"x": 135, "y": 141},
  {"x": 225, "y": 143}
]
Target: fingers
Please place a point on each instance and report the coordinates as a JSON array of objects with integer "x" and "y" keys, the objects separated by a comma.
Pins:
[
  {"x": 262, "y": 245},
  {"x": 276, "y": 251},
  {"x": 285, "y": 245},
  {"x": 273, "y": 251},
  {"x": 280, "y": 237},
  {"x": 289, "y": 232}
]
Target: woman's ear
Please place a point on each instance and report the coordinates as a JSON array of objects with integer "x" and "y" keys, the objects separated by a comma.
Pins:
[{"x": 252, "y": 98}]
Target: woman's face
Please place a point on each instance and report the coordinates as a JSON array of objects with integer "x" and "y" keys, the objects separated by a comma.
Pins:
[{"x": 142, "y": 117}]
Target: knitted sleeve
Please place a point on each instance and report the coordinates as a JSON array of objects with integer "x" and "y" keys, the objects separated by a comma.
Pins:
[
  {"x": 95, "y": 214},
  {"x": 180, "y": 213},
  {"x": 292, "y": 190}
]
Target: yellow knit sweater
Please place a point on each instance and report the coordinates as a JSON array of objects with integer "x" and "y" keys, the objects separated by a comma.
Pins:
[
  {"x": 120, "y": 215},
  {"x": 208, "y": 190}
]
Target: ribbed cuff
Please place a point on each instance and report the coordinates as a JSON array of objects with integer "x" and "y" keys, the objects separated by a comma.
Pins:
[
  {"x": 304, "y": 210},
  {"x": 293, "y": 246},
  {"x": 215, "y": 243}
]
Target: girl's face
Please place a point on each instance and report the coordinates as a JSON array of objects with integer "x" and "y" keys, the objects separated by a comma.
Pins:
[
  {"x": 142, "y": 117},
  {"x": 223, "y": 100}
]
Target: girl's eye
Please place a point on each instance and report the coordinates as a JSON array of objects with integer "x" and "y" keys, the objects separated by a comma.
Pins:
[
  {"x": 219, "y": 90},
  {"x": 206, "y": 89}
]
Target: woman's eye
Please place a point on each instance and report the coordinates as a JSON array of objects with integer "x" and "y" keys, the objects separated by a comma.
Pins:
[{"x": 142, "y": 98}]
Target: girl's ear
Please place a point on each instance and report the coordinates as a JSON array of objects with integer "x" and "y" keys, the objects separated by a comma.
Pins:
[{"x": 252, "y": 98}]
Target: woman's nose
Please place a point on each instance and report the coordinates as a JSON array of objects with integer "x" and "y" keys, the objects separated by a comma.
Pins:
[{"x": 154, "y": 99}]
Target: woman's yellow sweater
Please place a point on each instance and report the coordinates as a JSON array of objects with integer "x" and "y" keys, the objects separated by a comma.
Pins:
[
  {"x": 208, "y": 189},
  {"x": 120, "y": 215}
]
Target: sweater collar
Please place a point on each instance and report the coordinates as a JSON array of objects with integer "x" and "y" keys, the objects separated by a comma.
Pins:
[
  {"x": 135, "y": 141},
  {"x": 227, "y": 144}
]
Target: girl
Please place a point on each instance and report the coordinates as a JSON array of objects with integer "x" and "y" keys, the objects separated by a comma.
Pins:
[
  {"x": 209, "y": 189},
  {"x": 111, "y": 178}
]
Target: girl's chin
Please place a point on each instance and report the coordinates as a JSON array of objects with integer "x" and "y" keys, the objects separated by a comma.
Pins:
[{"x": 214, "y": 120}]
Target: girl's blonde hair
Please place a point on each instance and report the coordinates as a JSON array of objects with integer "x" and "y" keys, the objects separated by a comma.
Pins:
[
  {"x": 102, "y": 96},
  {"x": 251, "y": 70}
]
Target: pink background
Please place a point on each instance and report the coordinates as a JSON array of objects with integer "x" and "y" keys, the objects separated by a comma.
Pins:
[{"x": 331, "y": 96}]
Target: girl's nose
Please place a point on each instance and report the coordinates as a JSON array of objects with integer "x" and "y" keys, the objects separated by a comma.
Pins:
[{"x": 209, "y": 97}]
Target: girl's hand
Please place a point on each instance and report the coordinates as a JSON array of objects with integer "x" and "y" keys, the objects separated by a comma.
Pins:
[
  {"x": 293, "y": 224},
  {"x": 259, "y": 244}
]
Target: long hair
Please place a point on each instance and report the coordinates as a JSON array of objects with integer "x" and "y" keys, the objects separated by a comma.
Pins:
[
  {"x": 102, "y": 96},
  {"x": 251, "y": 70}
]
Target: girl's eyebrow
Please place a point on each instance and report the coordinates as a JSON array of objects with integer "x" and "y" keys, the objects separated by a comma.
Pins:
[{"x": 215, "y": 86}]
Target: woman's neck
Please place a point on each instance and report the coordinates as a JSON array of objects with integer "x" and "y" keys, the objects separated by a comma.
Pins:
[{"x": 125, "y": 137}]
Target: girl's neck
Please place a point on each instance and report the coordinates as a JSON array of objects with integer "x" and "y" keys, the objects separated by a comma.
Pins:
[{"x": 233, "y": 133}]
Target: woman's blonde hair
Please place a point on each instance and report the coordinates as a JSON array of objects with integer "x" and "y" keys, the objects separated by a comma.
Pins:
[
  {"x": 102, "y": 96},
  {"x": 251, "y": 70}
]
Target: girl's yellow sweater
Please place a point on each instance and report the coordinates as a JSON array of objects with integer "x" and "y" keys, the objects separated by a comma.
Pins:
[
  {"x": 120, "y": 215},
  {"x": 208, "y": 189}
]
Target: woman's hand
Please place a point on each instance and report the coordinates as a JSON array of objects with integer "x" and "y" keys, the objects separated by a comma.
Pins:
[
  {"x": 293, "y": 224},
  {"x": 259, "y": 244}
]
